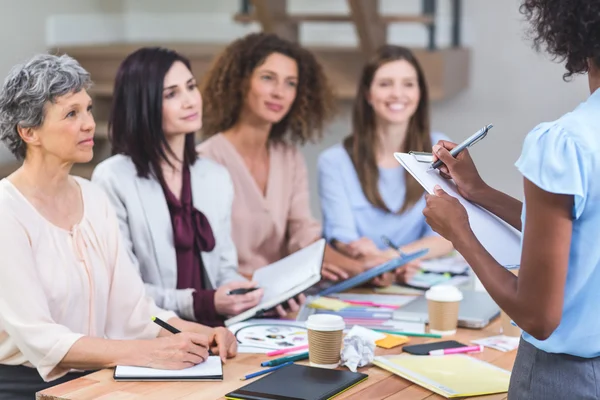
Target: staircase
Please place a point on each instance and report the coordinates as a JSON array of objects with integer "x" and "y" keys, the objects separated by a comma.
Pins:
[{"x": 446, "y": 69}]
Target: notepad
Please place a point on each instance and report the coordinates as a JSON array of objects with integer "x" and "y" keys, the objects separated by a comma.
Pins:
[
  {"x": 501, "y": 240},
  {"x": 210, "y": 370},
  {"x": 285, "y": 278},
  {"x": 451, "y": 376},
  {"x": 296, "y": 382}
]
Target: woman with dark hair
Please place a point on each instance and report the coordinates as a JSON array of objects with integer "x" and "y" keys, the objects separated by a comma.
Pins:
[
  {"x": 555, "y": 298},
  {"x": 174, "y": 208},
  {"x": 285, "y": 101},
  {"x": 365, "y": 193},
  {"x": 70, "y": 299}
]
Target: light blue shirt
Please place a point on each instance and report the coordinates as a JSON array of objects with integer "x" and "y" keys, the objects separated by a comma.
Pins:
[
  {"x": 348, "y": 215},
  {"x": 564, "y": 157}
]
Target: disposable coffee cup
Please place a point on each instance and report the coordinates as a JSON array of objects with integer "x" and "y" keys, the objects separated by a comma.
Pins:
[
  {"x": 508, "y": 327},
  {"x": 443, "y": 302},
  {"x": 325, "y": 333}
]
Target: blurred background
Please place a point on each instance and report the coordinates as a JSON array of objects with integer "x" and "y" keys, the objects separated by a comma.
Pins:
[{"x": 479, "y": 63}]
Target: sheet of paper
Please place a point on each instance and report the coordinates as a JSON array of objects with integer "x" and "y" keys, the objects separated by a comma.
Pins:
[
  {"x": 211, "y": 367},
  {"x": 365, "y": 333},
  {"x": 259, "y": 336},
  {"x": 326, "y": 303},
  {"x": 502, "y": 241},
  {"x": 287, "y": 273},
  {"x": 500, "y": 342},
  {"x": 453, "y": 265}
]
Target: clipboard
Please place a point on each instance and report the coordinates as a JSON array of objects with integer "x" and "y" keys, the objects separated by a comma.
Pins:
[{"x": 421, "y": 156}]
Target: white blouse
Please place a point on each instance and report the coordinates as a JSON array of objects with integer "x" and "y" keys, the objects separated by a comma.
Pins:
[{"x": 57, "y": 286}]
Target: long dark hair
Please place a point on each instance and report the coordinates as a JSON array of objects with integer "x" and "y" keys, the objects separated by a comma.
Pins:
[
  {"x": 362, "y": 142},
  {"x": 135, "y": 122}
]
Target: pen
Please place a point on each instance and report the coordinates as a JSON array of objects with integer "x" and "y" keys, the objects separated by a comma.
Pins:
[
  {"x": 172, "y": 329},
  {"x": 470, "y": 141},
  {"x": 457, "y": 350},
  {"x": 369, "y": 303},
  {"x": 413, "y": 334},
  {"x": 265, "y": 371},
  {"x": 288, "y": 350},
  {"x": 283, "y": 360},
  {"x": 391, "y": 245}
]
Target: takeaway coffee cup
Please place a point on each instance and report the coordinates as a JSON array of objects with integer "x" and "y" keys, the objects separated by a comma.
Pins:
[
  {"x": 442, "y": 303},
  {"x": 325, "y": 333}
]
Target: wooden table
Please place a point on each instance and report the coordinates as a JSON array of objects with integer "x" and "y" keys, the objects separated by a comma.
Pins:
[{"x": 380, "y": 384}]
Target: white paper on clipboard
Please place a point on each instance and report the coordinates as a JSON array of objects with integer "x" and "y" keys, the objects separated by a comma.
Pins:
[{"x": 501, "y": 240}]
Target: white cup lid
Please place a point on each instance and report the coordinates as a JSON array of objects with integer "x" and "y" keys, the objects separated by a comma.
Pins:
[
  {"x": 325, "y": 322},
  {"x": 444, "y": 293}
]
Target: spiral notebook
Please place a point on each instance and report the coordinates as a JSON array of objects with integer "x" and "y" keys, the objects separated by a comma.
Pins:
[{"x": 210, "y": 370}]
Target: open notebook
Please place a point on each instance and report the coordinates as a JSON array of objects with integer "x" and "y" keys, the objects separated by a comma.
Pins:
[
  {"x": 501, "y": 240},
  {"x": 210, "y": 370},
  {"x": 451, "y": 376},
  {"x": 285, "y": 279}
]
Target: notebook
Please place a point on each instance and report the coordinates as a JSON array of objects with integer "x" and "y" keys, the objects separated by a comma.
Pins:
[
  {"x": 296, "y": 382},
  {"x": 501, "y": 240},
  {"x": 372, "y": 273},
  {"x": 210, "y": 370},
  {"x": 450, "y": 376},
  {"x": 285, "y": 279}
]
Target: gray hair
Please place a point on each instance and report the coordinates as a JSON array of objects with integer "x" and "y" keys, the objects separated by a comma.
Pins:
[{"x": 29, "y": 87}]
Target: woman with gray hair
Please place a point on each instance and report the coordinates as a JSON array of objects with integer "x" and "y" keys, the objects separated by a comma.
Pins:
[{"x": 70, "y": 298}]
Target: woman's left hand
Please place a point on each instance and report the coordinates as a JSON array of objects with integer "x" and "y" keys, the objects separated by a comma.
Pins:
[
  {"x": 446, "y": 215},
  {"x": 223, "y": 343}
]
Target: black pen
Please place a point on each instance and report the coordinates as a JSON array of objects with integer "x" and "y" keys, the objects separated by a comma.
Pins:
[{"x": 172, "y": 329}]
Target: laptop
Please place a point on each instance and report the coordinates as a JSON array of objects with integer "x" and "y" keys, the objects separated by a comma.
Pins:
[{"x": 476, "y": 310}]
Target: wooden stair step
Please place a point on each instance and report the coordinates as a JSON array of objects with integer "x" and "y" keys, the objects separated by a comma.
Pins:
[{"x": 299, "y": 18}]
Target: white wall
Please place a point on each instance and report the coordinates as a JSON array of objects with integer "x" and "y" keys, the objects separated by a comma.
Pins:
[{"x": 511, "y": 86}]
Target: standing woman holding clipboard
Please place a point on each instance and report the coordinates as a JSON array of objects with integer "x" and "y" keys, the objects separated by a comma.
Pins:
[{"x": 555, "y": 297}]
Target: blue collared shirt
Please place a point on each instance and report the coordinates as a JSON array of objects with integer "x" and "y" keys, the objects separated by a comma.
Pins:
[
  {"x": 564, "y": 157},
  {"x": 348, "y": 215}
]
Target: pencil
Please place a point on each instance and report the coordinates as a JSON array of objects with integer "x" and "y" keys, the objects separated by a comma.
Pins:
[
  {"x": 413, "y": 334},
  {"x": 283, "y": 360}
]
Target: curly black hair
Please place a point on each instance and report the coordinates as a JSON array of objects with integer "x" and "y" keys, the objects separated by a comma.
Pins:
[
  {"x": 230, "y": 73},
  {"x": 567, "y": 29}
]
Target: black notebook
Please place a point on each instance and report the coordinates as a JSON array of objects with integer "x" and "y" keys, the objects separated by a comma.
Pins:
[{"x": 299, "y": 382}]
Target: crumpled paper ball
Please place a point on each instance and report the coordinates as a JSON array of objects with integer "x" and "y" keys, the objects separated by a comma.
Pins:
[{"x": 357, "y": 352}]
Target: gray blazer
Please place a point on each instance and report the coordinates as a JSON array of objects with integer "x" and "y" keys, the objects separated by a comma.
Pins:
[{"x": 147, "y": 232}]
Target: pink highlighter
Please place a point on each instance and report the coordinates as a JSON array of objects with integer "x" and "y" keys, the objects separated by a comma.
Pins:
[{"x": 457, "y": 350}]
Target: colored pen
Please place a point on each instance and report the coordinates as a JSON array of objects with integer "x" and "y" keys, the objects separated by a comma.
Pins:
[
  {"x": 172, "y": 329},
  {"x": 288, "y": 350},
  {"x": 369, "y": 303},
  {"x": 391, "y": 245},
  {"x": 413, "y": 334},
  {"x": 470, "y": 141},
  {"x": 283, "y": 360},
  {"x": 265, "y": 371},
  {"x": 457, "y": 350}
]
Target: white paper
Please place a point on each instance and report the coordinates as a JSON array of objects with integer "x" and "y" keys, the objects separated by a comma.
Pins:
[
  {"x": 211, "y": 367},
  {"x": 263, "y": 347},
  {"x": 501, "y": 342},
  {"x": 453, "y": 265},
  {"x": 365, "y": 333},
  {"x": 501, "y": 240}
]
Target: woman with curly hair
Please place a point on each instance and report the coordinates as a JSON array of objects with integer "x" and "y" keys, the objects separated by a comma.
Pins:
[
  {"x": 555, "y": 297},
  {"x": 263, "y": 96}
]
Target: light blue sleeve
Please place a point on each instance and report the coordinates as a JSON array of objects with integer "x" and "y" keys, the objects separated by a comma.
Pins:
[
  {"x": 555, "y": 162},
  {"x": 338, "y": 220}
]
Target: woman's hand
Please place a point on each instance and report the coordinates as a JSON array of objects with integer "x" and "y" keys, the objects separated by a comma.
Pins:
[
  {"x": 293, "y": 305},
  {"x": 333, "y": 273},
  {"x": 179, "y": 351},
  {"x": 384, "y": 280},
  {"x": 363, "y": 247},
  {"x": 234, "y": 304},
  {"x": 461, "y": 169},
  {"x": 406, "y": 272},
  {"x": 446, "y": 215},
  {"x": 223, "y": 343}
]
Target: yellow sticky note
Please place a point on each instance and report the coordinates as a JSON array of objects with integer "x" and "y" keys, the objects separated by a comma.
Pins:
[
  {"x": 326, "y": 303},
  {"x": 391, "y": 341}
]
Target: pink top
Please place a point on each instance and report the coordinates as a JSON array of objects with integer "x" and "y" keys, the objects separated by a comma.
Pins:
[
  {"x": 266, "y": 228},
  {"x": 57, "y": 286}
]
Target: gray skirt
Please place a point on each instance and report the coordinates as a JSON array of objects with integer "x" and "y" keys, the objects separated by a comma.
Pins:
[
  {"x": 18, "y": 382},
  {"x": 538, "y": 375}
]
